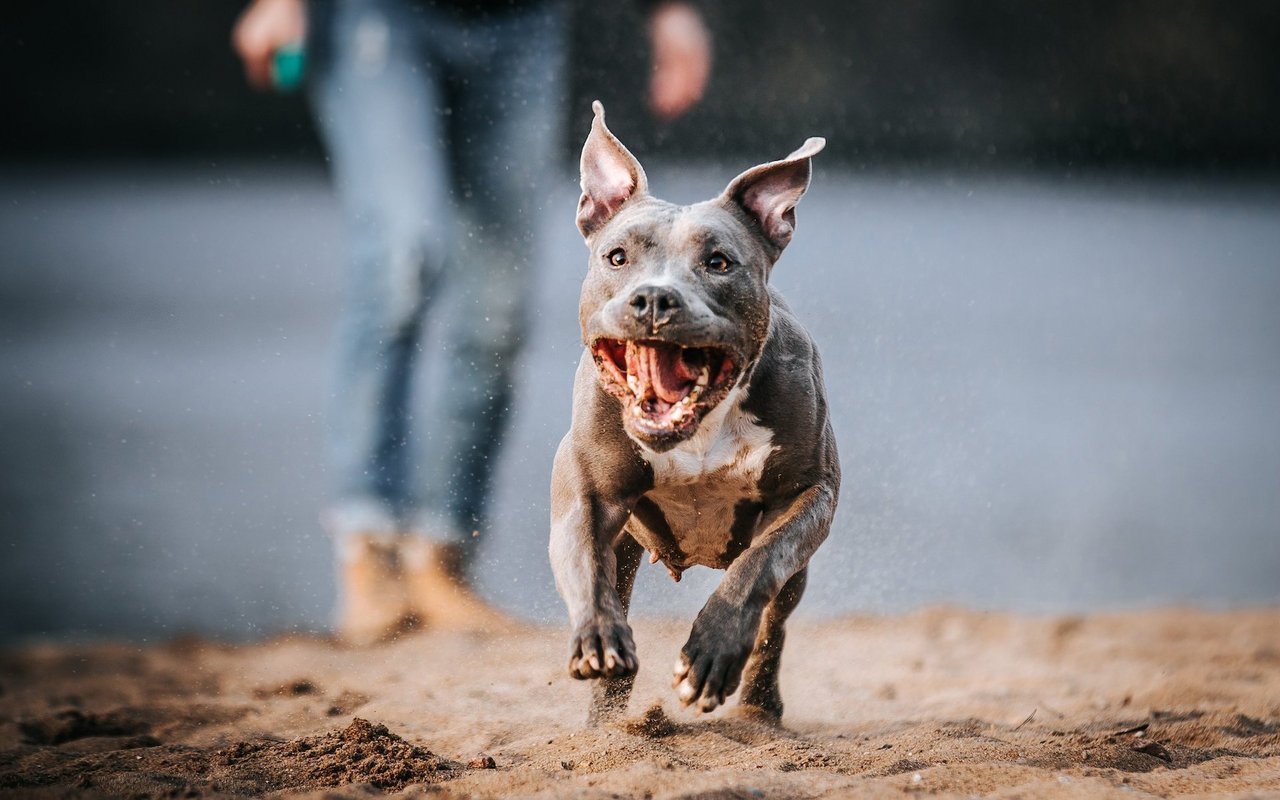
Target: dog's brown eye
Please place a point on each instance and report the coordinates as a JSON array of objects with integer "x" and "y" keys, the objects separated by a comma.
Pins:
[
  {"x": 718, "y": 261},
  {"x": 617, "y": 257}
]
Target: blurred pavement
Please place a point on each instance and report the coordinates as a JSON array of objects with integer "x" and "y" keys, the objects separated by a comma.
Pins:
[{"x": 1050, "y": 394}]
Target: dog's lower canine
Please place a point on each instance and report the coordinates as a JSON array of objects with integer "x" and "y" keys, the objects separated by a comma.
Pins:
[{"x": 700, "y": 429}]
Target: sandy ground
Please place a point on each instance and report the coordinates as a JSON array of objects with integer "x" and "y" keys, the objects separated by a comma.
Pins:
[{"x": 1168, "y": 703}]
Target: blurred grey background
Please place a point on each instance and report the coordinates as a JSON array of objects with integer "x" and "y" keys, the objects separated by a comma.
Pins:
[{"x": 1041, "y": 257}]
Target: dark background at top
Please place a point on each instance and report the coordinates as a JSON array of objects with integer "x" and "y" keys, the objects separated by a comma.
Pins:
[{"x": 1151, "y": 83}]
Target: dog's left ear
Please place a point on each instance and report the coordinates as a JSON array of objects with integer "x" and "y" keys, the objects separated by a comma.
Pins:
[{"x": 769, "y": 192}]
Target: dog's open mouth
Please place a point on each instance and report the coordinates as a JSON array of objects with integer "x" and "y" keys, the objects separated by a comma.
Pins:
[{"x": 665, "y": 388}]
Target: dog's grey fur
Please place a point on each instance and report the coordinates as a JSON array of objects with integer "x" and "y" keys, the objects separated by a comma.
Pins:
[{"x": 745, "y": 480}]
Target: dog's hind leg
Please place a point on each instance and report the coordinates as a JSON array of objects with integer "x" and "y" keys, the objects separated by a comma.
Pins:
[
  {"x": 760, "y": 678},
  {"x": 609, "y": 696}
]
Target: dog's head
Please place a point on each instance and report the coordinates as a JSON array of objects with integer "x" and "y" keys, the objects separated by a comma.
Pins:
[{"x": 675, "y": 308}]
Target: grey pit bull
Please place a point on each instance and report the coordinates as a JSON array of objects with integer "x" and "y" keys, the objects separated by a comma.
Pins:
[{"x": 700, "y": 429}]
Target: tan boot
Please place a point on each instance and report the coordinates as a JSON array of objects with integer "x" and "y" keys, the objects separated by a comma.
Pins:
[
  {"x": 439, "y": 594},
  {"x": 373, "y": 597}
]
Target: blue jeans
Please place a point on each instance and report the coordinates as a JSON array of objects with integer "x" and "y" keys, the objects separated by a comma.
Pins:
[{"x": 441, "y": 130}]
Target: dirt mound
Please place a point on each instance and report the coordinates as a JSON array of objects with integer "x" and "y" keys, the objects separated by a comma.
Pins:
[
  {"x": 70, "y": 724},
  {"x": 652, "y": 724},
  {"x": 363, "y": 752}
]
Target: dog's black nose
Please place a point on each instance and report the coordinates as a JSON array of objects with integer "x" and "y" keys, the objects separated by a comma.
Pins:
[{"x": 658, "y": 304}]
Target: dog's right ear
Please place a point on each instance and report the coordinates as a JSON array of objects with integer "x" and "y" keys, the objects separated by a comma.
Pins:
[{"x": 610, "y": 176}]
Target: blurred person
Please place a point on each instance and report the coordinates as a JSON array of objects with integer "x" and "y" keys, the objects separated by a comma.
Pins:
[{"x": 441, "y": 120}]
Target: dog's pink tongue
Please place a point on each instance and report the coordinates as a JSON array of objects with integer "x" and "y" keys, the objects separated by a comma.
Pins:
[{"x": 666, "y": 371}]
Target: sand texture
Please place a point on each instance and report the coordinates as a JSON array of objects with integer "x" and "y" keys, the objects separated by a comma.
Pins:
[{"x": 937, "y": 703}]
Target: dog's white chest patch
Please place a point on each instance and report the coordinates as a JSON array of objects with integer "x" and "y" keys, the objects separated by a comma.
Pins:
[{"x": 698, "y": 483}]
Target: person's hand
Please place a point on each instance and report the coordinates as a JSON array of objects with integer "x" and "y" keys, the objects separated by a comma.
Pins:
[
  {"x": 264, "y": 27},
  {"x": 681, "y": 59}
]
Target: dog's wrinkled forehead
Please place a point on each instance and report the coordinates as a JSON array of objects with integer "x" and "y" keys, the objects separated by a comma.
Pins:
[{"x": 660, "y": 229}]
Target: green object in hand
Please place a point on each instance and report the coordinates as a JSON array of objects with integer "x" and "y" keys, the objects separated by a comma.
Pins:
[{"x": 288, "y": 65}]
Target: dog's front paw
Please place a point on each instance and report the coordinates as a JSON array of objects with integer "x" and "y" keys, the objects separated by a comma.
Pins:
[
  {"x": 710, "y": 665},
  {"x": 602, "y": 648}
]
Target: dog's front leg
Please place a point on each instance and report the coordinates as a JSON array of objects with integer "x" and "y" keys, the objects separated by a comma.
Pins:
[
  {"x": 609, "y": 696},
  {"x": 711, "y": 661},
  {"x": 584, "y": 526}
]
